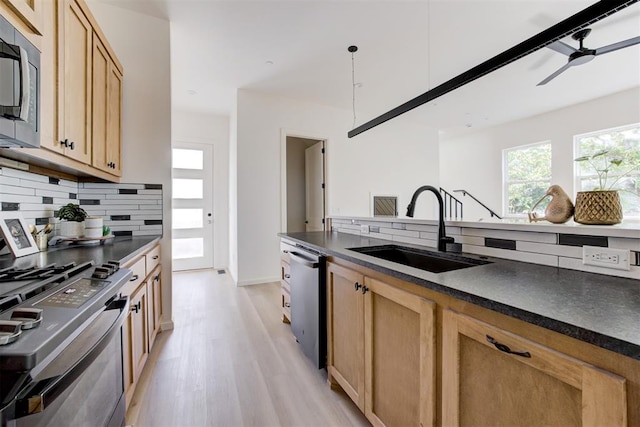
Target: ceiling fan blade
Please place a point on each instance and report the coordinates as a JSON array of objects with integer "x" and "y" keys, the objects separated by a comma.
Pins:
[
  {"x": 554, "y": 75},
  {"x": 562, "y": 48},
  {"x": 617, "y": 46}
]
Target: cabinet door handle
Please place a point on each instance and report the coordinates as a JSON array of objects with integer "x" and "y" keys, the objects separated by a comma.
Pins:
[
  {"x": 156, "y": 278},
  {"x": 285, "y": 251},
  {"x": 136, "y": 307},
  {"x": 65, "y": 143},
  {"x": 287, "y": 276},
  {"x": 505, "y": 348},
  {"x": 134, "y": 278},
  {"x": 357, "y": 286},
  {"x": 288, "y": 305},
  {"x": 364, "y": 290},
  {"x": 72, "y": 145},
  {"x": 154, "y": 257}
]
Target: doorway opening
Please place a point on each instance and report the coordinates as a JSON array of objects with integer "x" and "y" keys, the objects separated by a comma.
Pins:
[{"x": 303, "y": 186}]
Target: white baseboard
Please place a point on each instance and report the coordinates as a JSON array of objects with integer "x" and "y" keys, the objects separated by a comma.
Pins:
[
  {"x": 262, "y": 281},
  {"x": 166, "y": 326}
]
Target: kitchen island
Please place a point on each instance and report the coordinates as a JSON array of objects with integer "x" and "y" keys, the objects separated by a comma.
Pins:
[{"x": 506, "y": 334}]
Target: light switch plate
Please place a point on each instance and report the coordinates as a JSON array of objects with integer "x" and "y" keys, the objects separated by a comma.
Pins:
[{"x": 618, "y": 259}]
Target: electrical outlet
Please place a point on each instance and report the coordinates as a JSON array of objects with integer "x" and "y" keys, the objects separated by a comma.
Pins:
[
  {"x": 364, "y": 228},
  {"x": 606, "y": 257}
]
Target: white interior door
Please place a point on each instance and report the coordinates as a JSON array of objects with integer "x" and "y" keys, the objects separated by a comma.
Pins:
[
  {"x": 314, "y": 187},
  {"x": 192, "y": 206}
]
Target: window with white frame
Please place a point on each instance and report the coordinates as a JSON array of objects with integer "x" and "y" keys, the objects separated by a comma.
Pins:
[
  {"x": 526, "y": 176},
  {"x": 610, "y": 160}
]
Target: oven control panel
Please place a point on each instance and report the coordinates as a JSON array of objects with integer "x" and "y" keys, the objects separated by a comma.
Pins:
[{"x": 75, "y": 294}]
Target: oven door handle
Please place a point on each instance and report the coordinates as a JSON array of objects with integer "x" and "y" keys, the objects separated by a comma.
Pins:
[{"x": 44, "y": 392}]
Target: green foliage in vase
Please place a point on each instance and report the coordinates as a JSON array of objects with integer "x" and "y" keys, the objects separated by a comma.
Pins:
[
  {"x": 71, "y": 212},
  {"x": 608, "y": 164}
]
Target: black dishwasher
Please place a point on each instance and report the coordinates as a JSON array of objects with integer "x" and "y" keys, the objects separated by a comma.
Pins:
[{"x": 308, "y": 303}]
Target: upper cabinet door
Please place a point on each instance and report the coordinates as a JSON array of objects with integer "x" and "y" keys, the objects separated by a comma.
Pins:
[
  {"x": 75, "y": 36},
  {"x": 106, "y": 113},
  {"x": 29, "y": 11}
]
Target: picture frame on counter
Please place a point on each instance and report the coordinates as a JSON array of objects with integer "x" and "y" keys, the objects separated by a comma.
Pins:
[{"x": 15, "y": 232}]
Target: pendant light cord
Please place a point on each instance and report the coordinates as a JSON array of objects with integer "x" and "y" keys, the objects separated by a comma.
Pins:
[{"x": 353, "y": 50}]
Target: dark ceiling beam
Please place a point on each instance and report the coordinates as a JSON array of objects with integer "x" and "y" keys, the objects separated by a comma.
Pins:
[{"x": 582, "y": 19}]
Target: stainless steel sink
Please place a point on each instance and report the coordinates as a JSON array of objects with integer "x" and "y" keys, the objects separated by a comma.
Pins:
[{"x": 435, "y": 262}]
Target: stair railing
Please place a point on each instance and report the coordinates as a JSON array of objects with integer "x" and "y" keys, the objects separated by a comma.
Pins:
[
  {"x": 451, "y": 205},
  {"x": 466, "y": 193}
]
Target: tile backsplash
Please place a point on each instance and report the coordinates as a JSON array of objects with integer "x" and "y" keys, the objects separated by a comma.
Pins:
[
  {"x": 128, "y": 209},
  {"x": 554, "y": 246}
]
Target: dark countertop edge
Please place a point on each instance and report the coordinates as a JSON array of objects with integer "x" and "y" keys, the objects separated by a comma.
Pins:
[
  {"x": 594, "y": 338},
  {"x": 140, "y": 250}
]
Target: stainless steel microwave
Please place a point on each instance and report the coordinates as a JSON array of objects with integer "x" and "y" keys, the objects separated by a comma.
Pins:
[{"x": 19, "y": 89}]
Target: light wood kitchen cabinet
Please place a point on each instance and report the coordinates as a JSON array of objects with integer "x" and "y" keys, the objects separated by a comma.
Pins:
[
  {"x": 495, "y": 377},
  {"x": 154, "y": 313},
  {"x": 106, "y": 113},
  {"x": 473, "y": 367},
  {"x": 29, "y": 11},
  {"x": 143, "y": 323},
  {"x": 381, "y": 348},
  {"x": 285, "y": 284},
  {"x": 75, "y": 47}
]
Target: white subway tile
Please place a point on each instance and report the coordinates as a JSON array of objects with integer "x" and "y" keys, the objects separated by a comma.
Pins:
[
  {"x": 18, "y": 198},
  {"x": 622, "y": 243},
  {"x": 470, "y": 240},
  {"x": 24, "y": 175},
  {"x": 10, "y": 189},
  {"x": 149, "y": 192},
  {"x": 511, "y": 235},
  {"x": 550, "y": 260},
  {"x": 132, "y": 197},
  {"x": 146, "y": 233},
  {"x": 7, "y": 180},
  {"x": 430, "y": 236},
  {"x": 89, "y": 185},
  {"x": 544, "y": 248},
  {"x": 398, "y": 232},
  {"x": 52, "y": 193}
]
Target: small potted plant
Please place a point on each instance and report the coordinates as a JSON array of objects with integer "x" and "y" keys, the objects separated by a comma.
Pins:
[
  {"x": 602, "y": 204},
  {"x": 72, "y": 218}
]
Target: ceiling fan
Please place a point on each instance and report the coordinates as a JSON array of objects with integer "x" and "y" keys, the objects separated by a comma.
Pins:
[{"x": 582, "y": 55}]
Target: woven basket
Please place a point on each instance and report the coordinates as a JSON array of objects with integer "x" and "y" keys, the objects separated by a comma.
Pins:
[{"x": 598, "y": 208}]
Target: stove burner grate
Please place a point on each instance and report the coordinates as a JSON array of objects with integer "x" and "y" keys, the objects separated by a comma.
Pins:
[{"x": 13, "y": 274}]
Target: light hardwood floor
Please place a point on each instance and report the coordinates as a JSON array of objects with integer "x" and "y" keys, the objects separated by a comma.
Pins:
[{"x": 230, "y": 361}]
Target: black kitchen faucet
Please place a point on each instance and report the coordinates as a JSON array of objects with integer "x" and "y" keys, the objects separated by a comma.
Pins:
[{"x": 442, "y": 237}]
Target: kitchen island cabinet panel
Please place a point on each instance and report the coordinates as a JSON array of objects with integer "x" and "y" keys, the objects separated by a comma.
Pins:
[
  {"x": 345, "y": 331},
  {"x": 504, "y": 379},
  {"x": 399, "y": 357},
  {"x": 381, "y": 348}
]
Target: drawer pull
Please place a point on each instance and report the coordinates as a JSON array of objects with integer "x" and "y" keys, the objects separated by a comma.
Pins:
[
  {"x": 285, "y": 251},
  {"x": 156, "y": 278},
  {"x": 154, "y": 257},
  {"x": 288, "y": 305},
  {"x": 287, "y": 276},
  {"x": 357, "y": 286},
  {"x": 134, "y": 278},
  {"x": 505, "y": 348},
  {"x": 364, "y": 290}
]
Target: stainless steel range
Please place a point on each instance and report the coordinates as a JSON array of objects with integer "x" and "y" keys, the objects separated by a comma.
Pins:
[{"x": 61, "y": 345}]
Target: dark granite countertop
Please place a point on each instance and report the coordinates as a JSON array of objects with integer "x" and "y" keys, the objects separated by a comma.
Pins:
[
  {"x": 119, "y": 249},
  {"x": 598, "y": 309}
]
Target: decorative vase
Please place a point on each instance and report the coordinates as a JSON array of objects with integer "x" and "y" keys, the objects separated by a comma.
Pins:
[
  {"x": 598, "y": 208},
  {"x": 71, "y": 228}
]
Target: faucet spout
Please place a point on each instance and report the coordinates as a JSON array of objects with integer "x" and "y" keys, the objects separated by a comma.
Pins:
[{"x": 442, "y": 236}]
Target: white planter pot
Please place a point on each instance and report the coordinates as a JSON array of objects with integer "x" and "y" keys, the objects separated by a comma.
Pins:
[
  {"x": 93, "y": 222},
  {"x": 92, "y": 232},
  {"x": 71, "y": 228}
]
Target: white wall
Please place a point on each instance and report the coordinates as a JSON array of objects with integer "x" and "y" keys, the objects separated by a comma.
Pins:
[
  {"x": 141, "y": 43},
  {"x": 395, "y": 158},
  {"x": 474, "y": 161},
  {"x": 212, "y": 130},
  {"x": 233, "y": 192}
]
